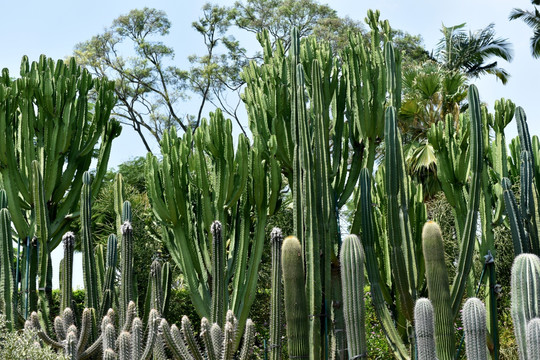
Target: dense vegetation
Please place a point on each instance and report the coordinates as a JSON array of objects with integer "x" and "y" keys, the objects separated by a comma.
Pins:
[{"x": 360, "y": 139}]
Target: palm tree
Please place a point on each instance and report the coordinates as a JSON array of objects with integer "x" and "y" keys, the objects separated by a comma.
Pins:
[
  {"x": 470, "y": 52},
  {"x": 531, "y": 18}
]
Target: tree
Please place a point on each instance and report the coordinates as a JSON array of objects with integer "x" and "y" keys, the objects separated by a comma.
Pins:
[
  {"x": 149, "y": 88},
  {"x": 469, "y": 52},
  {"x": 531, "y": 18}
]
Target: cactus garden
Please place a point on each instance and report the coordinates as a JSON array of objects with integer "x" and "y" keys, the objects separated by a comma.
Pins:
[{"x": 361, "y": 200}]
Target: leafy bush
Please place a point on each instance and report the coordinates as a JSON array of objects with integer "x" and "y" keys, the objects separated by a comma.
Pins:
[{"x": 21, "y": 345}]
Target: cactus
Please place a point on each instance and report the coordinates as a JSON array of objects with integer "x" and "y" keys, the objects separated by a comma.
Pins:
[
  {"x": 202, "y": 179},
  {"x": 126, "y": 260},
  {"x": 424, "y": 328},
  {"x": 67, "y": 270},
  {"x": 69, "y": 338},
  {"x": 219, "y": 295},
  {"x": 218, "y": 344},
  {"x": 108, "y": 290},
  {"x": 89, "y": 264},
  {"x": 525, "y": 287},
  {"x": 352, "y": 260},
  {"x": 474, "y": 327},
  {"x": 7, "y": 304},
  {"x": 276, "y": 300},
  {"x": 439, "y": 290},
  {"x": 47, "y": 142},
  {"x": 296, "y": 314},
  {"x": 533, "y": 338}
]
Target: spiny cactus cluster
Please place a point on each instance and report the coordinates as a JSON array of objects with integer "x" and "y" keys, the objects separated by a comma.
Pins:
[{"x": 218, "y": 342}]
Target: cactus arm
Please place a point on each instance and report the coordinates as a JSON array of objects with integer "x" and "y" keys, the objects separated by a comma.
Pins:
[
  {"x": 86, "y": 329},
  {"x": 468, "y": 238},
  {"x": 89, "y": 274},
  {"x": 249, "y": 341},
  {"x": 6, "y": 274},
  {"x": 153, "y": 327},
  {"x": 519, "y": 237}
]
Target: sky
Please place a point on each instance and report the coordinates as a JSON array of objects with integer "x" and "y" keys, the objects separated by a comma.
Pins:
[{"x": 54, "y": 27}]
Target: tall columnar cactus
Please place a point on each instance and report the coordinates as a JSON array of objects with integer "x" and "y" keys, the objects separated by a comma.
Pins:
[
  {"x": 276, "y": 300},
  {"x": 475, "y": 329},
  {"x": 218, "y": 342},
  {"x": 439, "y": 290},
  {"x": 424, "y": 328},
  {"x": 89, "y": 264},
  {"x": 301, "y": 105},
  {"x": 67, "y": 270},
  {"x": 533, "y": 338},
  {"x": 352, "y": 261},
  {"x": 44, "y": 117},
  {"x": 296, "y": 310},
  {"x": 126, "y": 260},
  {"x": 108, "y": 289},
  {"x": 525, "y": 288},
  {"x": 217, "y": 313},
  {"x": 7, "y": 304}
]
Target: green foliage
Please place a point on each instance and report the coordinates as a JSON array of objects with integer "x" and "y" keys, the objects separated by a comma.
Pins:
[
  {"x": 21, "y": 345},
  {"x": 472, "y": 52},
  {"x": 532, "y": 19}
]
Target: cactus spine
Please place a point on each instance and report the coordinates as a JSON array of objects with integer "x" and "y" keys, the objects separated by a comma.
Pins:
[
  {"x": 439, "y": 290},
  {"x": 474, "y": 326},
  {"x": 296, "y": 314},
  {"x": 525, "y": 288},
  {"x": 352, "y": 261},
  {"x": 67, "y": 270},
  {"x": 7, "y": 304},
  {"x": 533, "y": 338},
  {"x": 276, "y": 301}
]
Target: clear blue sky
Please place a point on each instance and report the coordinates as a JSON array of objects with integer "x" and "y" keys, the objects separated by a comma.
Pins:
[{"x": 54, "y": 27}]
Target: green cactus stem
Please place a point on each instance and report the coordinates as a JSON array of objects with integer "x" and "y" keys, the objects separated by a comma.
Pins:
[
  {"x": 424, "y": 328},
  {"x": 474, "y": 327},
  {"x": 219, "y": 295},
  {"x": 89, "y": 264},
  {"x": 67, "y": 270},
  {"x": 276, "y": 300},
  {"x": 352, "y": 261},
  {"x": 126, "y": 260},
  {"x": 296, "y": 313},
  {"x": 439, "y": 290},
  {"x": 525, "y": 289},
  {"x": 533, "y": 338},
  {"x": 8, "y": 306}
]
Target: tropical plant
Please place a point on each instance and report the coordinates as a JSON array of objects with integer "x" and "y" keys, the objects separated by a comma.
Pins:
[
  {"x": 471, "y": 52},
  {"x": 531, "y": 18}
]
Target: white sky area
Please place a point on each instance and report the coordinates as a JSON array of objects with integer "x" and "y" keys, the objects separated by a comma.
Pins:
[{"x": 54, "y": 27}]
